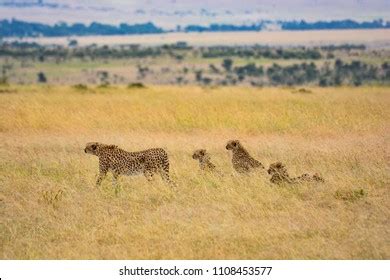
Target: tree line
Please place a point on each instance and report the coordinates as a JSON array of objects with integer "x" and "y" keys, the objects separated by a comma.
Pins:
[
  {"x": 179, "y": 51},
  {"x": 18, "y": 28},
  {"x": 228, "y": 66},
  {"x": 338, "y": 73},
  {"x": 262, "y": 52},
  {"x": 355, "y": 73}
]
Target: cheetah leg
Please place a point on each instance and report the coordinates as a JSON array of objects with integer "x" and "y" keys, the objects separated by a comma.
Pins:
[
  {"x": 164, "y": 172},
  {"x": 101, "y": 176},
  {"x": 115, "y": 183},
  {"x": 165, "y": 176},
  {"x": 148, "y": 175},
  {"x": 102, "y": 173}
]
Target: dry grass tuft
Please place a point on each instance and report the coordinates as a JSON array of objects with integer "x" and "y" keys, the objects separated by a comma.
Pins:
[
  {"x": 50, "y": 209},
  {"x": 351, "y": 195}
]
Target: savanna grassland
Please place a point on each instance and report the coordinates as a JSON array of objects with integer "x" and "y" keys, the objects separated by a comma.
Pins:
[{"x": 50, "y": 208}]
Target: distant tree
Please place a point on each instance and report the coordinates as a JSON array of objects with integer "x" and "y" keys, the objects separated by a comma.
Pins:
[
  {"x": 241, "y": 78},
  {"x": 213, "y": 69},
  {"x": 250, "y": 69},
  {"x": 231, "y": 80},
  {"x": 179, "y": 57},
  {"x": 337, "y": 81},
  {"x": 311, "y": 72},
  {"x": 72, "y": 43},
  {"x": 206, "y": 81},
  {"x": 103, "y": 76},
  {"x": 198, "y": 75},
  {"x": 386, "y": 71},
  {"x": 338, "y": 64},
  {"x": 142, "y": 71},
  {"x": 357, "y": 82},
  {"x": 227, "y": 64},
  {"x": 179, "y": 80},
  {"x": 42, "y": 77},
  {"x": 323, "y": 83},
  {"x": 330, "y": 55},
  {"x": 3, "y": 78}
]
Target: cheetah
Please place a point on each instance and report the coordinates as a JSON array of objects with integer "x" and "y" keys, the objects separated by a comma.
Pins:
[
  {"x": 241, "y": 159},
  {"x": 205, "y": 163},
  {"x": 280, "y": 175},
  {"x": 118, "y": 161}
]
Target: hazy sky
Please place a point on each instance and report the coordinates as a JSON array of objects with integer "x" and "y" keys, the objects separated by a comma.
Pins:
[{"x": 169, "y": 13}]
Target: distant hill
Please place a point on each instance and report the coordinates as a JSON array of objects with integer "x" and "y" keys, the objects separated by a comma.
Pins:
[
  {"x": 167, "y": 14},
  {"x": 17, "y": 28},
  {"x": 338, "y": 24},
  {"x": 292, "y": 25}
]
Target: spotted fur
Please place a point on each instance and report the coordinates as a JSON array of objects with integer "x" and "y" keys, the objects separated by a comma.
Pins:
[
  {"x": 120, "y": 162},
  {"x": 279, "y": 175},
  {"x": 203, "y": 157},
  {"x": 242, "y": 161}
]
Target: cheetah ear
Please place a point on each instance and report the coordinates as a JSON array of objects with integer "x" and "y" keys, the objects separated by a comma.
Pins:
[{"x": 279, "y": 164}]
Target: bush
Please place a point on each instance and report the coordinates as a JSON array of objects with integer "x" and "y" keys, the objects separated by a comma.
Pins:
[
  {"x": 3, "y": 81},
  {"x": 80, "y": 87},
  {"x": 42, "y": 77},
  {"x": 303, "y": 90},
  {"x": 227, "y": 64},
  {"x": 104, "y": 85},
  {"x": 136, "y": 85}
]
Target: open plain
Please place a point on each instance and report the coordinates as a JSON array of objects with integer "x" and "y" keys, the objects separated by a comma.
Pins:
[{"x": 50, "y": 208}]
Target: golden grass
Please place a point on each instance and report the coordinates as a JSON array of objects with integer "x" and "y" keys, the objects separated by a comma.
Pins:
[{"x": 50, "y": 209}]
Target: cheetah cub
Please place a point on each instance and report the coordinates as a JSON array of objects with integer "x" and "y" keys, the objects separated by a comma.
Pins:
[
  {"x": 279, "y": 175},
  {"x": 241, "y": 159},
  {"x": 205, "y": 163},
  {"x": 121, "y": 162}
]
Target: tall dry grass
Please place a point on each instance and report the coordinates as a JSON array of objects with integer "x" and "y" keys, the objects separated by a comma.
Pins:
[{"x": 50, "y": 209}]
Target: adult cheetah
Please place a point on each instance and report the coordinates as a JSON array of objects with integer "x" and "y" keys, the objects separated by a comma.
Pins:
[
  {"x": 121, "y": 162},
  {"x": 203, "y": 157},
  {"x": 279, "y": 175},
  {"x": 241, "y": 159}
]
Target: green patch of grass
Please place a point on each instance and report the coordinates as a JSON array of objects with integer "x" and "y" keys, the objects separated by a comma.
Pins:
[
  {"x": 80, "y": 87},
  {"x": 350, "y": 195},
  {"x": 136, "y": 85}
]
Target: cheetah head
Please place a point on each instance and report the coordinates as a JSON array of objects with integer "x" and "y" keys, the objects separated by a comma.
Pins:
[
  {"x": 92, "y": 148},
  {"x": 276, "y": 167},
  {"x": 199, "y": 154},
  {"x": 233, "y": 145}
]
